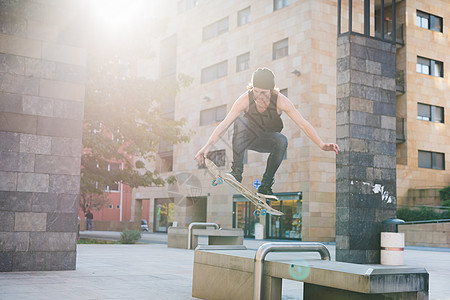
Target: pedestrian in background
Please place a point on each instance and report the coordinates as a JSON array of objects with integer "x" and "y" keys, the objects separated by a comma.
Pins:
[{"x": 89, "y": 216}]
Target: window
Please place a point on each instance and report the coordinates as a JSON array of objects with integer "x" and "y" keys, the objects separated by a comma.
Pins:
[
  {"x": 214, "y": 72},
  {"x": 213, "y": 115},
  {"x": 112, "y": 167},
  {"x": 430, "y": 113},
  {"x": 280, "y": 49},
  {"x": 428, "y": 21},
  {"x": 215, "y": 29},
  {"x": 167, "y": 53},
  {"x": 244, "y": 16},
  {"x": 184, "y": 5},
  {"x": 430, "y": 67},
  {"x": 117, "y": 206},
  {"x": 431, "y": 160},
  {"x": 243, "y": 62},
  {"x": 110, "y": 206},
  {"x": 217, "y": 157},
  {"x": 166, "y": 163},
  {"x": 279, "y": 4}
]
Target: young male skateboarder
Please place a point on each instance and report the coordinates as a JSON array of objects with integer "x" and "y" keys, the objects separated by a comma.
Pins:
[{"x": 260, "y": 126}]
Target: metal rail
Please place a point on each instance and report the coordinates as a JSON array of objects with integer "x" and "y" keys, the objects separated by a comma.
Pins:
[
  {"x": 266, "y": 248},
  {"x": 426, "y": 221},
  {"x": 198, "y": 224}
]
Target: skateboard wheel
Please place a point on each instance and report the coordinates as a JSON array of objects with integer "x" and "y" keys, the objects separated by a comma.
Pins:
[
  {"x": 263, "y": 212},
  {"x": 214, "y": 182},
  {"x": 219, "y": 181},
  {"x": 256, "y": 213}
]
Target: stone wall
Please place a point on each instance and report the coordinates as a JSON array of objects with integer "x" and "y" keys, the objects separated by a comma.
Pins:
[
  {"x": 42, "y": 83},
  {"x": 426, "y": 235},
  {"x": 111, "y": 225}
]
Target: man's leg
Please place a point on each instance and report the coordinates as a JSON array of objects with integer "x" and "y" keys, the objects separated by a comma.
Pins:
[
  {"x": 276, "y": 144},
  {"x": 243, "y": 136}
]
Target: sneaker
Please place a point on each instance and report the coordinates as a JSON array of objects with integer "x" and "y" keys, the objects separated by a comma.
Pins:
[{"x": 265, "y": 190}]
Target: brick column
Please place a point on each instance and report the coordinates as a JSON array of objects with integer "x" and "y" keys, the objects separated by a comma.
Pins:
[
  {"x": 366, "y": 178},
  {"x": 42, "y": 75}
]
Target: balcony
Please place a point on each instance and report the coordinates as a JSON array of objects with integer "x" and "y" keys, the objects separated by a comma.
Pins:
[
  {"x": 399, "y": 33},
  {"x": 400, "y": 136},
  {"x": 399, "y": 82}
]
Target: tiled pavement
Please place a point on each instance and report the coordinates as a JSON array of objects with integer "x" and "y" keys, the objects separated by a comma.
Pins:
[{"x": 153, "y": 271}]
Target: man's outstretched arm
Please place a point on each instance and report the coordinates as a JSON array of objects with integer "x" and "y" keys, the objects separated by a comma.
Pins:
[
  {"x": 238, "y": 107},
  {"x": 284, "y": 104}
]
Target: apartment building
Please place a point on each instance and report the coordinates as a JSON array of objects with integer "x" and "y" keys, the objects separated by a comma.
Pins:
[
  {"x": 220, "y": 43},
  {"x": 423, "y": 105}
]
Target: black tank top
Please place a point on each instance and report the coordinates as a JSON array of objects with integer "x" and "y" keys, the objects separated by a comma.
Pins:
[{"x": 269, "y": 120}]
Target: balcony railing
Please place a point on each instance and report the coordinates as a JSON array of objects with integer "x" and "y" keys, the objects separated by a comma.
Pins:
[{"x": 399, "y": 32}]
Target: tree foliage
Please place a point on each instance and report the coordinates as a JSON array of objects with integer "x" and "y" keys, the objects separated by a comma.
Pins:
[{"x": 123, "y": 118}]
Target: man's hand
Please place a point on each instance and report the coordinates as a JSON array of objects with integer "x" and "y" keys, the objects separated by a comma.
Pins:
[
  {"x": 330, "y": 147},
  {"x": 200, "y": 156}
]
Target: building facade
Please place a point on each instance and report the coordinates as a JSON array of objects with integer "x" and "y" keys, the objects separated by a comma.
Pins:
[{"x": 220, "y": 43}]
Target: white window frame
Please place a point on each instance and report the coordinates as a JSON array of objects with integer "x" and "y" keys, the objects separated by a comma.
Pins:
[
  {"x": 244, "y": 16},
  {"x": 214, "y": 72},
  {"x": 280, "y": 49},
  {"x": 243, "y": 62},
  {"x": 279, "y": 4},
  {"x": 215, "y": 29}
]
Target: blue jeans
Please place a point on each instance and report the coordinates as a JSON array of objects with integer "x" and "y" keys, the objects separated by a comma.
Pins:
[
  {"x": 248, "y": 138},
  {"x": 88, "y": 224}
]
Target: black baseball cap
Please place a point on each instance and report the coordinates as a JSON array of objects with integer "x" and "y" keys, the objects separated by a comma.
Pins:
[{"x": 263, "y": 78}]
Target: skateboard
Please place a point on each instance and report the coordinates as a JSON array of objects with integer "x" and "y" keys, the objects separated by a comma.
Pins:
[{"x": 259, "y": 200}]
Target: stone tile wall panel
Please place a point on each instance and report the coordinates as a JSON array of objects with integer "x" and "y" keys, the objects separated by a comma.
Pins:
[
  {"x": 366, "y": 119},
  {"x": 42, "y": 77}
]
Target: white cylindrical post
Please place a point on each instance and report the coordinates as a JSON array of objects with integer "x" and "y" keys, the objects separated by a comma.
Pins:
[
  {"x": 392, "y": 248},
  {"x": 259, "y": 231}
]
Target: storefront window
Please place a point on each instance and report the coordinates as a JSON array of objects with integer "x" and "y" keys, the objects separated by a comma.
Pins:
[{"x": 287, "y": 226}]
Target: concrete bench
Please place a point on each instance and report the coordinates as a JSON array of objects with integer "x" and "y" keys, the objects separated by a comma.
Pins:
[
  {"x": 229, "y": 274},
  {"x": 178, "y": 237}
]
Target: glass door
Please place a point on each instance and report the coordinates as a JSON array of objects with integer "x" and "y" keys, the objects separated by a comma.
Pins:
[
  {"x": 163, "y": 215},
  {"x": 244, "y": 218}
]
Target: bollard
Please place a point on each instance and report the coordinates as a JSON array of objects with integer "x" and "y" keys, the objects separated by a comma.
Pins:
[
  {"x": 259, "y": 231},
  {"x": 392, "y": 243}
]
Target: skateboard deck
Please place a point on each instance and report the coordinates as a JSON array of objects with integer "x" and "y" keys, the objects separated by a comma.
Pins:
[{"x": 259, "y": 200}]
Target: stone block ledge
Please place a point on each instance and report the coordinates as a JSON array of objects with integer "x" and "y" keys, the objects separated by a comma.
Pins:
[{"x": 228, "y": 274}]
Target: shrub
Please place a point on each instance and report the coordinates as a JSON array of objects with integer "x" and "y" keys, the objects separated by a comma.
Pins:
[
  {"x": 444, "y": 194},
  {"x": 130, "y": 236},
  {"x": 421, "y": 214}
]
